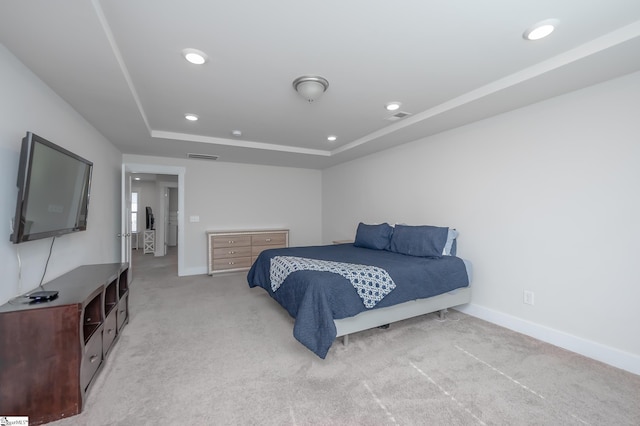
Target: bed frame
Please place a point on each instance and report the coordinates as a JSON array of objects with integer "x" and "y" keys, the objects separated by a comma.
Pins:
[{"x": 413, "y": 308}]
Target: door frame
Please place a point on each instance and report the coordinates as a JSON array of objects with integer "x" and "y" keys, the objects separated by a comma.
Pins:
[
  {"x": 163, "y": 216},
  {"x": 127, "y": 169},
  {"x": 125, "y": 225}
]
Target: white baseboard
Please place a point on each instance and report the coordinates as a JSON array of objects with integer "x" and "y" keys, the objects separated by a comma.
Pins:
[{"x": 588, "y": 348}]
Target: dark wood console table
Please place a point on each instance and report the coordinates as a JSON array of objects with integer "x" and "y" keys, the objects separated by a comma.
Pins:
[{"x": 51, "y": 352}]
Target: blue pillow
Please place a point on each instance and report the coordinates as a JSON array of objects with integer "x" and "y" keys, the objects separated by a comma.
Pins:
[
  {"x": 375, "y": 237},
  {"x": 421, "y": 241}
]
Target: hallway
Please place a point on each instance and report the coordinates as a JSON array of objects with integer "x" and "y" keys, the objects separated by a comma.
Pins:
[{"x": 144, "y": 262}]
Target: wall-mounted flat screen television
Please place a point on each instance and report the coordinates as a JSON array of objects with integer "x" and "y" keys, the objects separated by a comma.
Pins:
[
  {"x": 150, "y": 219},
  {"x": 53, "y": 191}
]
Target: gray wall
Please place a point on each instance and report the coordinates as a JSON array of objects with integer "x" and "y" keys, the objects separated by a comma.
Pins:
[
  {"x": 27, "y": 104},
  {"x": 545, "y": 199},
  {"x": 228, "y": 196}
]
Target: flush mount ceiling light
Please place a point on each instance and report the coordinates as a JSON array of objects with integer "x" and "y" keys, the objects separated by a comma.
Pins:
[
  {"x": 194, "y": 56},
  {"x": 332, "y": 138},
  {"x": 540, "y": 30},
  {"x": 392, "y": 106},
  {"x": 310, "y": 87},
  {"x": 191, "y": 117},
  {"x": 236, "y": 133}
]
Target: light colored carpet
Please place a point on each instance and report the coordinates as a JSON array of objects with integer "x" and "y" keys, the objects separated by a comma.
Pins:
[{"x": 211, "y": 351}]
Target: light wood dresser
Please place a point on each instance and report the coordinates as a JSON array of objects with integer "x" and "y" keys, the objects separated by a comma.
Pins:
[{"x": 230, "y": 251}]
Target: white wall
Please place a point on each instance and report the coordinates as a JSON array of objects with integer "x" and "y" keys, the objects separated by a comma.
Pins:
[
  {"x": 229, "y": 196},
  {"x": 546, "y": 199},
  {"x": 27, "y": 104}
]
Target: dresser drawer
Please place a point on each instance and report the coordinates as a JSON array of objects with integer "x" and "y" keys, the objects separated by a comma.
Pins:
[
  {"x": 110, "y": 326},
  {"x": 230, "y": 252},
  {"x": 91, "y": 359},
  {"x": 278, "y": 239},
  {"x": 231, "y": 241},
  {"x": 232, "y": 263},
  {"x": 123, "y": 311}
]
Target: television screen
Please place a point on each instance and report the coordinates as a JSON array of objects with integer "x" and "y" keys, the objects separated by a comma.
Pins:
[
  {"x": 150, "y": 219},
  {"x": 53, "y": 191}
]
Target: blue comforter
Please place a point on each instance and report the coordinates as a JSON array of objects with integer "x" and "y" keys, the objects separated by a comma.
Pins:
[{"x": 316, "y": 298}]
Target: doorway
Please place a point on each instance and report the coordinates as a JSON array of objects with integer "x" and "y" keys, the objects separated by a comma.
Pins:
[{"x": 173, "y": 179}]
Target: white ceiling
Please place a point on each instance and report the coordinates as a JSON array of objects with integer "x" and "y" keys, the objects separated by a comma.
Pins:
[{"x": 450, "y": 62}]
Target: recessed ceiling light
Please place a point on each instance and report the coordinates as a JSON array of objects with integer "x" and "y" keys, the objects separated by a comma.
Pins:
[
  {"x": 392, "y": 106},
  {"x": 332, "y": 138},
  {"x": 191, "y": 117},
  {"x": 194, "y": 56},
  {"x": 540, "y": 30}
]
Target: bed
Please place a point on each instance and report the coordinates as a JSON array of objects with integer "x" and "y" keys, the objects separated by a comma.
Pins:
[{"x": 388, "y": 274}]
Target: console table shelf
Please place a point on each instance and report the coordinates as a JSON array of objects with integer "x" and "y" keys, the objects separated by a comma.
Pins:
[
  {"x": 149, "y": 241},
  {"x": 55, "y": 349}
]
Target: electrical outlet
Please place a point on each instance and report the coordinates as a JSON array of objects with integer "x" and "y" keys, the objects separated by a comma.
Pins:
[{"x": 528, "y": 298}]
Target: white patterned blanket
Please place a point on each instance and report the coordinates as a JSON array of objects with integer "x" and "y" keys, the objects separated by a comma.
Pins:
[{"x": 371, "y": 283}]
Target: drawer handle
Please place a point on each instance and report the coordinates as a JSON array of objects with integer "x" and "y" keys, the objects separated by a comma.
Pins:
[
  {"x": 232, "y": 252},
  {"x": 231, "y": 241},
  {"x": 268, "y": 240},
  {"x": 110, "y": 331},
  {"x": 231, "y": 263},
  {"x": 93, "y": 358},
  {"x": 88, "y": 319}
]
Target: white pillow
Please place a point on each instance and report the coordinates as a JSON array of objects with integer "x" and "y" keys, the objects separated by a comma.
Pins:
[{"x": 451, "y": 235}]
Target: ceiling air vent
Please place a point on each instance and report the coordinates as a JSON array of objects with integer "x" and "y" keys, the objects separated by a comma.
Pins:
[
  {"x": 202, "y": 156},
  {"x": 398, "y": 116}
]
